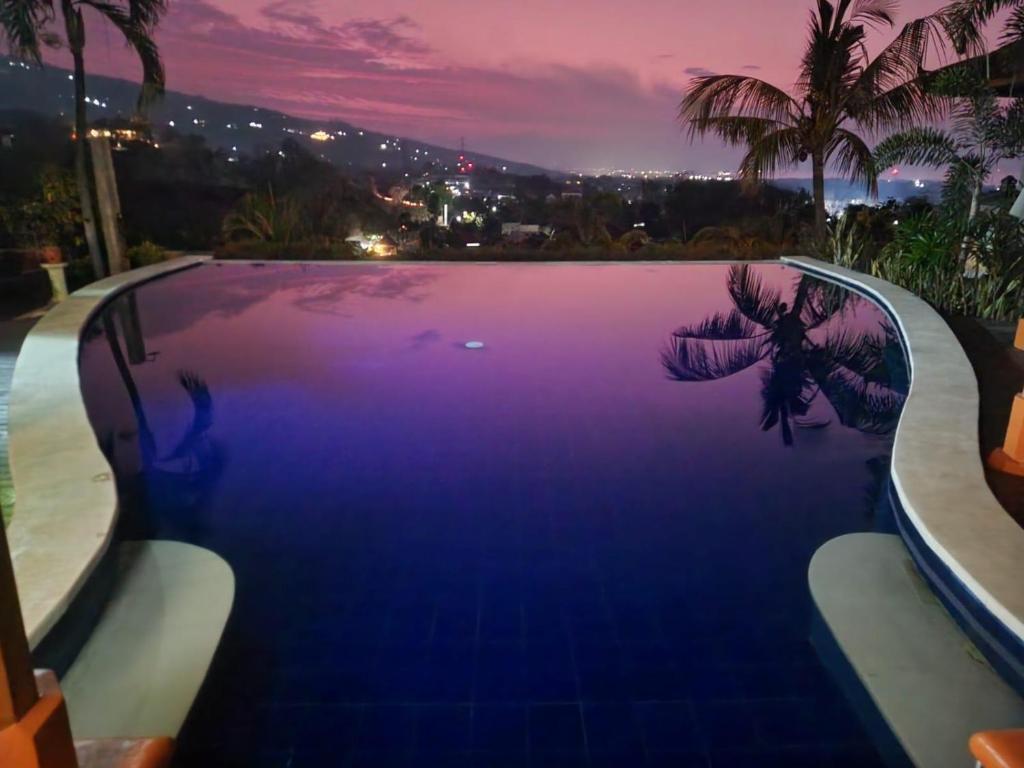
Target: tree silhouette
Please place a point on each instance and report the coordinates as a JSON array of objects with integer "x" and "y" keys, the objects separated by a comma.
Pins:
[
  {"x": 840, "y": 94},
  {"x": 862, "y": 375}
]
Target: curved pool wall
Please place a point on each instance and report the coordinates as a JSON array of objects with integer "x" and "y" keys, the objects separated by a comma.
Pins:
[
  {"x": 65, "y": 497},
  {"x": 965, "y": 544},
  {"x": 546, "y": 528},
  {"x": 969, "y": 549}
]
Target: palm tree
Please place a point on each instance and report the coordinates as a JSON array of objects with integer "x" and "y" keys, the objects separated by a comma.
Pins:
[
  {"x": 27, "y": 27},
  {"x": 862, "y": 376},
  {"x": 840, "y": 89},
  {"x": 964, "y": 22},
  {"x": 982, "y": 134}
]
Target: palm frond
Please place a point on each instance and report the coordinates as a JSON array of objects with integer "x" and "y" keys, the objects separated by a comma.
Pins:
[
  {"x": 822, "y": 302},
  {"x": 737, "y": 129},
  {"x": 692, "y": 359},
  {"x": 136, "y": 23},
  {"x": 719, "y": 327},
  {"x": 717, "y": 96},
  {"x": 858, "y": 404},
  {"x": 768, "y": 153},
  {"x": 888, "y": 93},
  {"x": 917, "y": 146},
  {"x": 965, "y": 20},
  {"x": 23, "y": 24},
  {"x": 757, "y": 303},
  {"x": 852, "y": 159},
  {"x": 876, "y": 13}
]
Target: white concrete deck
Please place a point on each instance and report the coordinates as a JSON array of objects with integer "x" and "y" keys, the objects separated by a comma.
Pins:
[
  {"x": 936, "y": 464},
  {"x": 142, "y": 667},
  {"x": 932, "y": 687},
  {"x": 66, "y": 503}
]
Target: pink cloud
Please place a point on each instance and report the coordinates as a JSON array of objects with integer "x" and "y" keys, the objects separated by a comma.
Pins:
[{"x": 604, "y": 95}]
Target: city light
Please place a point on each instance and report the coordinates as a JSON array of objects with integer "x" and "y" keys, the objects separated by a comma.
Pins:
[{"x": 321, "y": 136}]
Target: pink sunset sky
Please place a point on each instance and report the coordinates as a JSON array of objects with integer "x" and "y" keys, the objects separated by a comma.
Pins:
[{"x": 575, "y": 84}]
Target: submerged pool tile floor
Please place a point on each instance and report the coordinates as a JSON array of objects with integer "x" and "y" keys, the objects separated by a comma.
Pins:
[{"x": 547, "y": 552}]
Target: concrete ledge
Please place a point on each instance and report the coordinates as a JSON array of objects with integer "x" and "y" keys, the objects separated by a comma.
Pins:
[
  {"x": 937, "y": 471},
  {"x": 66, "y": 502},
  {"x": 142, "y": 667},
  {"x": 929, "y": 683}
]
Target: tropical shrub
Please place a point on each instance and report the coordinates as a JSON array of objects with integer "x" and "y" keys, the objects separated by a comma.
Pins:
[
  {"x": 144, "y": 254},
  {"x": 924, "y": 257},
  {"x": 265, "y": 217}
]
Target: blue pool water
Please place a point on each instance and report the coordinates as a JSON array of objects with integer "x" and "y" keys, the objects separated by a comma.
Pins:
[{"x": 581, "y": 541}]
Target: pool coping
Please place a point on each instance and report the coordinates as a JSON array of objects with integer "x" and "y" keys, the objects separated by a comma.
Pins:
[
  {"x": 937, "y": 472},
  {"x": 66, "y": 500}
]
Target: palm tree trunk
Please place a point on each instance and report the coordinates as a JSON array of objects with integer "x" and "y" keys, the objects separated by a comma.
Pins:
[
  {"x": 820, "y": 216},
  {"x": 972, "y": 214},
  {"x": 975, "y": 201},
  {"x": 75, "y": 27}
]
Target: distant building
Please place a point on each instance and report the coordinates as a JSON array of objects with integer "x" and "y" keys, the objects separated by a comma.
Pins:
[
  {"x": 572, "y": 195},
  {"x": 6, "y": 138},
  {"x": 515, "y": 232}
]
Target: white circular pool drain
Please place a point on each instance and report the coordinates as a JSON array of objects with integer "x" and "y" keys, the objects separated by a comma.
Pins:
[{"x": 474, "y": 345}]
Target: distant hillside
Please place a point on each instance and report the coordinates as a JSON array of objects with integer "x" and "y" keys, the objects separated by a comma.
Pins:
[{"x": 236, "y": 128}]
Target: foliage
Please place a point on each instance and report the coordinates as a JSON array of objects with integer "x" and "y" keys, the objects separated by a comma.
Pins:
[
  {"x": 923, "y": 257},
  {"x": 840, "y": 90},
  {"x": 262, "y": 250},
  {"x": 265, "y": 217},
  {"x": 983, "y": 133},
  {"x": 144, "y": 254},
  {"x": 50, "y": 215},
  {"x": 965, "y": 20},
  {"x": 27, "y": 28},
  {"x": 847, "y": 244}
]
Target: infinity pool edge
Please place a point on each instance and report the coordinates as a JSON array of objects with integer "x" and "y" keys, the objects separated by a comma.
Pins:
[
  {"x": 66, "y": 497},
  {"x": 972, "y": 549}
]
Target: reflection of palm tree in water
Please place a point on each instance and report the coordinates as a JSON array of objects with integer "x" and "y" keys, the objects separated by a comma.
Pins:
[
  {"x": 193, "y": 452},
  {"x": 862, "y": 375}
]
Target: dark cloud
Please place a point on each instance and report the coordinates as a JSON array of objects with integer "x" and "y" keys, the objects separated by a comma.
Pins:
[
  {"x": 751, "y": 66},
  {"x": 699, "y": 72}
]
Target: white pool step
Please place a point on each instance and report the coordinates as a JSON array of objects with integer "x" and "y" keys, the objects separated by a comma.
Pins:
[
  {"x": 925, "y": 676},
  {"x": 142, "y": 667}
]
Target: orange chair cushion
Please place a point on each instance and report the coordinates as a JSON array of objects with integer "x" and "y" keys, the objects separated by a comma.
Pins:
[{"x": 999, "y": 749}]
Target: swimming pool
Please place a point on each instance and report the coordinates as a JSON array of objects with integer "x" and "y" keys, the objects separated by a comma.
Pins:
[{"x": 545, "y": 514}]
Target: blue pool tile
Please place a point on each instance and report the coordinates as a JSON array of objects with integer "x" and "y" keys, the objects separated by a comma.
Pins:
[
  {"x": 559, "y": 760},
  {"x": 796, "y": 757},
  {"x": 386, "y": 729},
  {"x": 502, "y": 621},
  {"x": 556, "y": 728},
  {"x": 612, "y": 731},
  {"x": 602, "y": 676},
  {"x": 728, "y": 723},
  {"x": 684, "y": 759},
  {"x": 652, "y": 674},
  {"x": 447, "y": 675},
  {"x": 668, "y": 727},
  {"x": 455, "y": 622},
  {"x": 500, "y": 674},
  {"x": 500, "y": 729},
  {"x": 443, "y": 730},
  {"x": 551, "y": 679}
]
